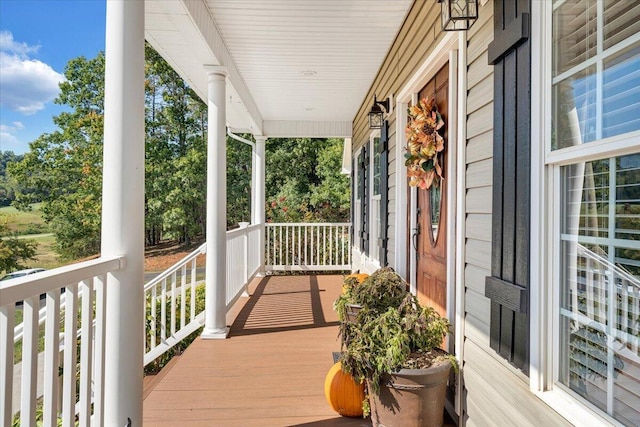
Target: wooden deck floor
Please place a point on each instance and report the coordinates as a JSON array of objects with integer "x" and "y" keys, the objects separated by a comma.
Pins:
[{"x": 271, "y": 369}]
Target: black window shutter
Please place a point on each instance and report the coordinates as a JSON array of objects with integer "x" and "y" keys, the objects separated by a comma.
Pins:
[
  {"x": 508, "y": 285},
  {"x": 365, "y": 200},
  {"x": 363, "y": 180},
  {"x": 384, "y": 193},
  {"x": 353, "y": 199},
  {"x": 361, "y": 193}
]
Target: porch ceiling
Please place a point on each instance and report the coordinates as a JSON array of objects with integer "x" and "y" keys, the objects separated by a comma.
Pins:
[{"x": 296, "y": 67}]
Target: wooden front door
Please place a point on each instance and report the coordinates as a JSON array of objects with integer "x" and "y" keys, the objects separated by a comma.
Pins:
[{"x": 432, "y": 214}]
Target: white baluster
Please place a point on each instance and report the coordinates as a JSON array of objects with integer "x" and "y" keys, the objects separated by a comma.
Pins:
[
  {"x": 29, "y": 361},
  {"x": 163, "y": 311},
  {"x": 183, "y": 297},
  {"x": 98, "y": 395},
  {"x": 153, "y": 308},
  {"x": 194, "y": 272},
  {"x": 86, "y": 356},
  {"x": 70, "y": 356},
  {"x": 7, "y": 322},
  {"x": 173, "y": 303}
]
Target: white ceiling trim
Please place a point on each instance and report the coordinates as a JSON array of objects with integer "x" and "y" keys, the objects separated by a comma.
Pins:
[{"x": 307, "y": 129}]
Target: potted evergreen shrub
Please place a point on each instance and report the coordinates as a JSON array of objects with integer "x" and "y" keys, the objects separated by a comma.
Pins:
[{"x": 393, "y": 343}]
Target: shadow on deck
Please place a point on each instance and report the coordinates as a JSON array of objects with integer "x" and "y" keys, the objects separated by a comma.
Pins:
[{"x": 271, "y": 369}]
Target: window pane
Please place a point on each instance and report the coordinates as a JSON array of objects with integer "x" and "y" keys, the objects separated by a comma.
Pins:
[
  {"x": 574, "y": 34},
  {"x": 621, "y": 96},
  {"x": 587, "y": 199},
  {"x": 628, "y": 198},
  {"x": 574, "y": 109},
  {"x": 621, "y": 21},
  {"x": 600, "y": 285},
  {"x": 596, "y": 70}
]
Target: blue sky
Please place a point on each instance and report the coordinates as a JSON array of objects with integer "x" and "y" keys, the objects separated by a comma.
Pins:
[{"x": 37, "y": 39}]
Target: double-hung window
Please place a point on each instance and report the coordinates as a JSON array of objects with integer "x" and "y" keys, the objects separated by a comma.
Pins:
[{"x": 593, "y": 159}]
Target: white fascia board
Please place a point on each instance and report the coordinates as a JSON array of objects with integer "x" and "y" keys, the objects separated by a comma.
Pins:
[
  {"x": 204, "y": 22},
  {"x": 307, "y": 129}
]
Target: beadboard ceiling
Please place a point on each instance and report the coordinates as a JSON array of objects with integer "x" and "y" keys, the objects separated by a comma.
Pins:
[{"x": 294, "y": 65}]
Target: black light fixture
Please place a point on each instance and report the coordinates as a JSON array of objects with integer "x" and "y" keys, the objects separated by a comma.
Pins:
[
  {"x": 458, "y": 15},
  {"x": 376, "y": 115}
]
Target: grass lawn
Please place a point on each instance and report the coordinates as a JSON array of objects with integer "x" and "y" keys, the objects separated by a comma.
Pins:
[
  {"x": 46, "y": 257},
  {"x": 30, "y": 222}
]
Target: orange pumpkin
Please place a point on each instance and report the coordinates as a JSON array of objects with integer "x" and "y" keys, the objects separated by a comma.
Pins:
[
  {"x": 359, "y": 276},
  {"x": 343, "y": 393}
]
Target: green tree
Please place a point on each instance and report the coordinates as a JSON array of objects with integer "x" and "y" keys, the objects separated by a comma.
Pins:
[
  {"x": 238, "y": 181},
  {"x": 14, "y": 251},
  {"x": 176, "y": 154},
  {"x": 64, "y": 167},
  {"x": 331, "y": 198},
  {"x": 304, "y": 182}
]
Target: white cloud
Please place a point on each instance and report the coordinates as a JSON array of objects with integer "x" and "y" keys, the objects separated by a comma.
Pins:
[
  {"x": 7, "y": 136},
  {"x": 25, "y": 84},
  {"x": 8, "y": 44}
]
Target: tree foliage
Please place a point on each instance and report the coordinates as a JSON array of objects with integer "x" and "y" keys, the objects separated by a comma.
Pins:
[
  {"x": 14, "y": 251},
  {"x": 63, "y": 169},
  {"x": 303, "y": 180}
]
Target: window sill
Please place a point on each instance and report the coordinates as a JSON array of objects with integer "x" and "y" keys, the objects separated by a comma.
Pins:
[{"x": 574, "y": 411}]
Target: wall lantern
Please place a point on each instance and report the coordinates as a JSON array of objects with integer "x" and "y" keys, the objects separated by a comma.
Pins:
[
  {"x": 458, "y": 15},
  {"x": 376, "y": 115}
]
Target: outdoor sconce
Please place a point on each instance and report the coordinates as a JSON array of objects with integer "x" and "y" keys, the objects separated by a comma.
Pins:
[
  {"x": 376, "y": 115},
  {"x": 458, "y": 15}
]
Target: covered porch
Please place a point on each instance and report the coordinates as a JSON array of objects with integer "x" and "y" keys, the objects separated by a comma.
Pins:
[
  {"x": 269, "y": 372},
  {"x": 270, "y": 71}
]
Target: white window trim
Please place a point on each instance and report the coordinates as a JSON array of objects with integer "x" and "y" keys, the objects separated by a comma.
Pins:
[
  {"x": 544, "y": 264},
  {"x": 452, "y": 48},
  {"x": 374, "y": 214}
]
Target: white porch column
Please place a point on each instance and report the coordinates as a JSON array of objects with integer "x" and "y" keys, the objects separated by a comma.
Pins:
[
  {"x": 258, "y": 180},
  {"x": 257, "y": 205},
  {"x": 215, "y": 326},
  {"x": 123, "y": 211}
]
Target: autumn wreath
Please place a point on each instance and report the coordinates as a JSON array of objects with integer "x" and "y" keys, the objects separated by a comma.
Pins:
[{"x": 425, "y": 145}]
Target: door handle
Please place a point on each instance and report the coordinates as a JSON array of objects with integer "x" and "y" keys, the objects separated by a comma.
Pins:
[{"x": 414, "y": 237}]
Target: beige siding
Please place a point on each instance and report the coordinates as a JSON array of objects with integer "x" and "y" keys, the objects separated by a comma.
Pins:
[
  {"x": 413, "y": 43},
  {"x": 496, "y": 392}
]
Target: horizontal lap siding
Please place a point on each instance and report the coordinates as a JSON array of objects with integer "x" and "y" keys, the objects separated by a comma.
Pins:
[
  {"x": 503, "y": 399},
  {"x": 478, "y": 177},
  {"x": 414, "y": 42},
  {"x": 392, "y": 209}
]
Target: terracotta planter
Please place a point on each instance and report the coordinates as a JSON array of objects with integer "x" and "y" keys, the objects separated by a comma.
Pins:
[{"x": 411, "y": 397}]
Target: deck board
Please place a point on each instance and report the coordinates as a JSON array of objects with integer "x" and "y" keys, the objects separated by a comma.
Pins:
[{"x": 271, "y": 369}]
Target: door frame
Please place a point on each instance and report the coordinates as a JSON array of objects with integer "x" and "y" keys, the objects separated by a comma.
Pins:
[{"x": 452, "y": 48}]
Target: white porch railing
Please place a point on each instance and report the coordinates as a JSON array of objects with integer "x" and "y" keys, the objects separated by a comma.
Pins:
[
  {"x": 308, "y": 246},
  {"x": 172, "y": 315},
  {"x": 82, "y": 373}
]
